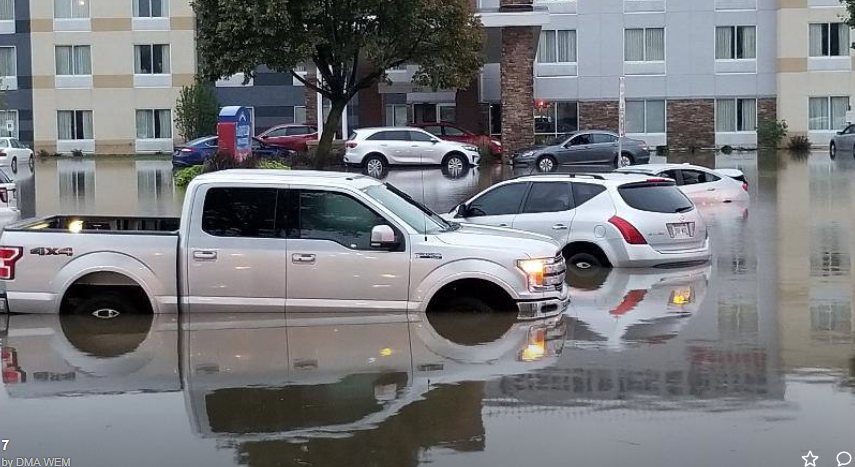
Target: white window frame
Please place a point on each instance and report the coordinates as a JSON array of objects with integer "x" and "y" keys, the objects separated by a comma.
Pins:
[
  {"x": 555, "y": 131},
  {"x": 644, "y": 48},
  {"x": 151, "y": 23},
  {"x": 153, "y": 122},
  {"x": 69, "y": 145},
  {"x": 734, "y": 40},
  {"x": 3, "y": 127},
  {"x": 10, "y": 83},
  {"x": 395, "y": 108},
  {"x": 844, "y": 47},
  {"x": 7, "y": 26},
  {"x": 164, "y": 8},
  {"x": 74, "y": 64},
  {"x": 829, "y": 115},
  {"x": 71, "y": 2},
  {"x": 736, "y": 115},
  {"x": 153, "y": 80},
  {"x": 646, "y": 125},
  {"x": 168, "y": 63},
  {"x": 557, "y": 61}
]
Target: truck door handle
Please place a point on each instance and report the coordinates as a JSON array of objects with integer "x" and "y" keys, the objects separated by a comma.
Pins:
[
  {"x": 205, "y": 254},
  {"x": 710, "y": 189},
  {"x": 502, "y": 225},
  {"x": 559, "y": 227},
  {"x": 303, "y": 258}
]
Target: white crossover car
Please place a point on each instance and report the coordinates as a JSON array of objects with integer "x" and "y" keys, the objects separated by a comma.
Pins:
[
  {"x": 376, "y": 149},
  {"x": 13, "y": 152},
  {"x": 702, "y": 185},
  {"x": 619, "y": 220}
]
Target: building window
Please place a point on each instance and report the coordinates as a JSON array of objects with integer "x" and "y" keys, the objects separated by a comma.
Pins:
[
  {"x": 151, "y": 59},
  {"x": 644, "y": 45},
  {"x": 735, "y": 42},
  {"x": 557, "y": 47},
  {"x": 154, "y": 124},
  {"x": 396, "y": 115},
  {"x": 7, "y": 10},
  {"x": 9, "y": 123},
  {"x": 495, "y": 119},
  {"x": 150, "y": 9},
  {"x": 733, "y": 115},
  {"x": 67, "y": 9},
  {"x": 8, "y": 62},
  {"x": 555, "y": 118},
  {"x": 829, "y": 40},
  {"x": 827, "y": 113},
  {"x": 645, "y": 116},
  {"x": 299, "y": 114},
  {"x": 74, "y": 124},
  {"x": 73, "y": 60}
]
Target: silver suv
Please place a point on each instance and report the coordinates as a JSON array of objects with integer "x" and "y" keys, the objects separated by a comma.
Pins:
[
  {"x": 619, "y": 220},
  {"x": 376, "y": 149}
]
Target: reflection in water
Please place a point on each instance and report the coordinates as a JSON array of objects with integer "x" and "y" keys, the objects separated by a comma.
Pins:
[{"x": 740, "y": 362}]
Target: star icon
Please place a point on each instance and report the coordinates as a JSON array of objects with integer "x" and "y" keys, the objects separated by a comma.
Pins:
[{"x": 810, "y": 459}]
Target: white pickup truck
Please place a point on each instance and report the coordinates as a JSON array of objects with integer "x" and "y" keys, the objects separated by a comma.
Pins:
[{"x": 278, "y": 241}]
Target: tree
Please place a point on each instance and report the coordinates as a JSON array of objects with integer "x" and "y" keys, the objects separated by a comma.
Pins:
[
  {"x": 350, "y": 42},
  {"x": 196, "y": 111},
  {"x": 850, "y": 12}
]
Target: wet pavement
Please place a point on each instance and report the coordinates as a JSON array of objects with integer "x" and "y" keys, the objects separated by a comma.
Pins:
[{"x": 749, "y": 360}]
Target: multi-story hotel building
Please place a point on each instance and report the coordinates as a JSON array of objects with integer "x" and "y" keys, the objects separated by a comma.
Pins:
[{"x": 103, "y": 75}]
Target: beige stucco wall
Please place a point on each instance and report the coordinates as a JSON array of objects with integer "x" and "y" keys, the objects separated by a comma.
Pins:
[
  {"x": 795, "y": 82},
  {"x": 113, "y": 97}
]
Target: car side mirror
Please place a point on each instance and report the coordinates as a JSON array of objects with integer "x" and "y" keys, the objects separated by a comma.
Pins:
[
  {"x": 460, "y": 211},
  {"x": 840, "y": 132},
  {"x": 382, "y": 236}
]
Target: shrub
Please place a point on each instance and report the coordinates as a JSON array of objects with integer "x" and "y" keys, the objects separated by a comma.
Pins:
[
  {"x": 271, "y": 165},
  {"x": 77, "y": 152},
  {"x": 770, "y": 133},
  {"x": 183, "y": 177},
  {"x": 662, "y": 150},
  {"x": 726, "y": 149},
  {"x": 43, "y": 153},
  {"x": 196, "y": 111},
  {"x": 799, "y": 144}
]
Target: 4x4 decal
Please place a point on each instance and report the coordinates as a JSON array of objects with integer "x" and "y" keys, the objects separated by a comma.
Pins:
[{"x": 48, "y": 251}]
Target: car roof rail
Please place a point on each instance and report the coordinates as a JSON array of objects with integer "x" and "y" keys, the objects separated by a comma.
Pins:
[{"x": 562, "y": 175}]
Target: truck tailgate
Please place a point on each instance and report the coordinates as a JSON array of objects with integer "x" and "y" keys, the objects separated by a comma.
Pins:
[{"x": 51, "y": 261}]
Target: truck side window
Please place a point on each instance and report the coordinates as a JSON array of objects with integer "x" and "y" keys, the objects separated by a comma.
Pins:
[
  {"x": 240, "y": 212},
  {"x": 326, "y": 215}
]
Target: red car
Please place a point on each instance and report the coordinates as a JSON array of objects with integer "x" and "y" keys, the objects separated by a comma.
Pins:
[
  {"x": 450, "y": 132},
  {"x": 293, "y": 136}
]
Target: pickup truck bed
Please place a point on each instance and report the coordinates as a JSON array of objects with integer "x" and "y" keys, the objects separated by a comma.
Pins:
[{"x": 60, "y": 251}]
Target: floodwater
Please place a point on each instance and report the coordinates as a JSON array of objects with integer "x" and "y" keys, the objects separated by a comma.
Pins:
[{"x": 749, "y": 360}]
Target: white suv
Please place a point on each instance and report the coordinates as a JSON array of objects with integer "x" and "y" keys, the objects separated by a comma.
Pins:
[
  {"x": 619, "y": 220},
  {"x": 376, "y": 149}
]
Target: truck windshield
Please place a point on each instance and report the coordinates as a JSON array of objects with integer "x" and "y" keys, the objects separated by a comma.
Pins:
[{"x": 415, "y": 214}]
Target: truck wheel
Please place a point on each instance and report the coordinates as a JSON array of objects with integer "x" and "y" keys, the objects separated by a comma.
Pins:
[
  {"x": 106, "y": 306},
  {"x": 106, "y": 338},
  {"x": 471, "y": 321}
]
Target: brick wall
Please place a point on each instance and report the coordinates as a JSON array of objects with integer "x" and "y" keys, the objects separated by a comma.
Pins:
[
  {"x": 311, "y": 101},
  {"x": 468, "y": 108},
  {"x": 518, "y": 50},
  {"x": 767, "y": 109},
  {"x": 599, "y": 115},
  {"x": 691, "y": 123}
]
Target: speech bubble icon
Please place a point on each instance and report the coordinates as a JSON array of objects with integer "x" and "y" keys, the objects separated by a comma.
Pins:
[{"x": 844, "y": 455}]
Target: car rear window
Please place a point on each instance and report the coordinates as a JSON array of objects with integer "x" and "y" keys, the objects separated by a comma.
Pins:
[{"x": 655, "y": 197}]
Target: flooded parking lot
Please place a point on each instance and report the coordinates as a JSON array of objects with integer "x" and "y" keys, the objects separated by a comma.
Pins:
[{"x": 748, "y": 360}]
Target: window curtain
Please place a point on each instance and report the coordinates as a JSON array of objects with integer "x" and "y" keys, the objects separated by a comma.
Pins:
[
  {"x": 79, "y": 8},
  {"x": 816, "y": 41},
  {"x": 634, "y": 45},
  {"x": 65, "y": 124},
  {"x": 62, "y": 8},
  {"x": 725, "y": 115},
  {"x": 161, "y": 59},
  {"x": 839, "y": 106},
  {"x": 63, "y": 60},
  {"x": 843, "y": 39},
  {"x": 8, "y": 65},
  {"x": 86, "y": 117},
  {"x": 635, "y": 117},
  {"x": 163, "y": 122},
  {"x": 748, "y": 39},
  {"x": 723, "y": 43},
  {"x": 7, "y": 10},
  {"x": 818, "y": 113},
  {"x": 139, "y": 51},
  {"x": 157, "y": 7},
  {"x": 655, "y": 117},
  {"x": 546, "y": 50},
  {"x": 567, "y": 46},
  {"x": 655, "y": 45},
  {"x": 82, "y": 60},
  {"x": 145, "y": 124},
  {"x": 747, "y": 115}
]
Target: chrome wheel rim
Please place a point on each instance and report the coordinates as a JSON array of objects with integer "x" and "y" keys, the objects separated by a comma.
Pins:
[
  {"x": 545, "y": 165},
  {"x": 374, "y": 168},
  {"x": 454, "y": 165},
  {"x": 624, "y": 161},
  {"x": 105, "y": 313},
  {"x": 833, "y": 150},
  {"x": 583, "y": 265}
]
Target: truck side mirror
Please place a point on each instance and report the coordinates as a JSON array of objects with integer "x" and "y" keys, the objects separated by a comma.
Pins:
[
  {"x": 460, "y": 211},
  {"x": 382, "y": 236}
]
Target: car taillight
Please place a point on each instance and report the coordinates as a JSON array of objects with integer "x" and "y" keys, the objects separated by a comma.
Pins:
[
  {"x": 745, "y": 186},
  {"x": 351, "y": 144},
  {"x": 8, "y": 357},
  {"x": 9, "y": 256},
  {"x": 4, "y": 195},
  {"x": 629, "y": 232}
]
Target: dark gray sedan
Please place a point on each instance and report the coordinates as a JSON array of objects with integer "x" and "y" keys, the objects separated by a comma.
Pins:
[
  {"x": 590, "y": 147},
  {"x": 843, "y": 141}
]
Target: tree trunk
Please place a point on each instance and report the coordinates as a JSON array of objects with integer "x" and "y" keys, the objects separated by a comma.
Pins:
[{"x": 323, "y": 157}]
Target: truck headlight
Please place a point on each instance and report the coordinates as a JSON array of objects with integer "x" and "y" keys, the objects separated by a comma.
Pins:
[{"x": 543, "y": 273}]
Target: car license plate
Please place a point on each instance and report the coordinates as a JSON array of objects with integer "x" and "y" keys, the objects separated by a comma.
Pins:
[{"x": 681, "y": 231}]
